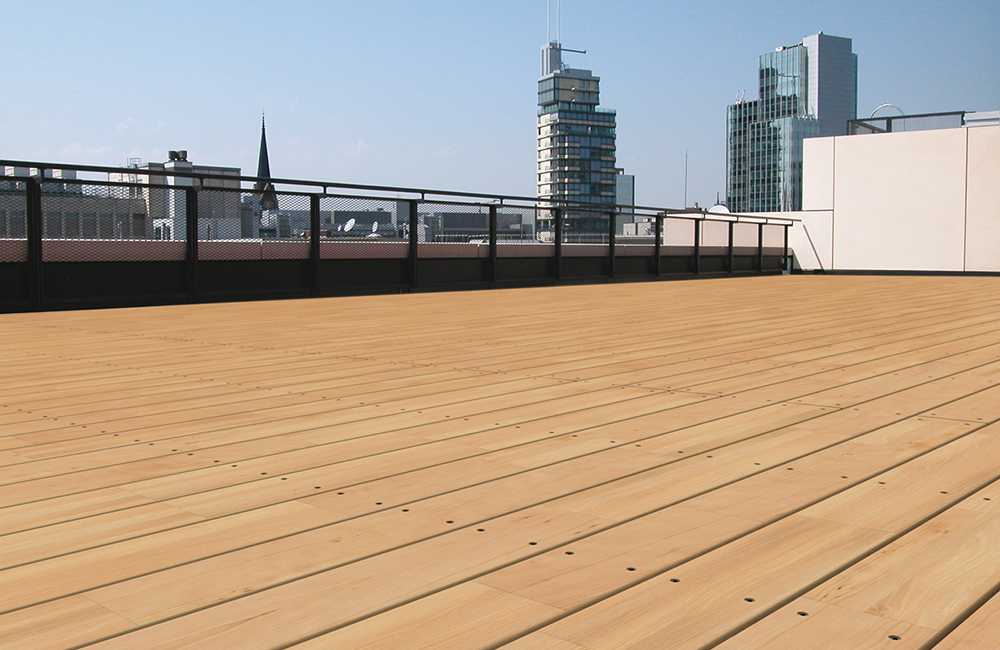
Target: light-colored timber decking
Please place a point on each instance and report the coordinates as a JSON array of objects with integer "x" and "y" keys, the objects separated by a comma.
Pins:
[{"x": 779, "y": 462}]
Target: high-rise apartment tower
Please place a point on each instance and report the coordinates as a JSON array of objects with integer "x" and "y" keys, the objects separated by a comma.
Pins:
[
  {"x": 576, "y": 144},
  {"x": 806, "y": 90}
]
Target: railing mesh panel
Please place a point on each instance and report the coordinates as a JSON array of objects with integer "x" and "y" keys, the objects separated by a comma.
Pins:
[
  {"x": 678, "y": 232},
  {"x": 219, "y": 213},
  {"x": 448, "y": 231},
  {"x": 774, "y": 236},
  {"x": 13, "y": 227},
  {"x": 714, "y": 233},
  {"x": 96, "y": 222},
  {"x": 745, "y": 235},
  {"x": 363, "y": 228},
  {"x": 238, "y": 225},
  {"x": 586, "y": 227},
  {"x": 517, "y": 225}
]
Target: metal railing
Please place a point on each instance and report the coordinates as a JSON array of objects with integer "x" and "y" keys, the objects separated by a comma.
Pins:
[
  {"x": 897, "y": 123},
  {"x": 139, "y": 235}
]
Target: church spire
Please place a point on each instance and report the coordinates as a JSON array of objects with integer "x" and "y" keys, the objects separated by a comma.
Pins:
[{"x": 268, "y": 199}]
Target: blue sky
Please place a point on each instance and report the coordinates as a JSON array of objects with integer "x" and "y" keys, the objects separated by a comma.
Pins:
[{"x": 442, "y": 94}]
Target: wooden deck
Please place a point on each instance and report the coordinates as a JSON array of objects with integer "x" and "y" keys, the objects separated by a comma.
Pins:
[{"x": 780, "y": 462}]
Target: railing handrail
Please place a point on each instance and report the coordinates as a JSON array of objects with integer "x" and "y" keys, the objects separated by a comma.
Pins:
[{"x": 422, "y": 193}]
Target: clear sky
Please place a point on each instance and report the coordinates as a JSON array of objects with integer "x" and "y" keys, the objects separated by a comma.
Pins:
[{"x": 443, "y": 94}]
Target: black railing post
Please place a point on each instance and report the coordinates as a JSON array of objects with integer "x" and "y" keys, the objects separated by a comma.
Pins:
[
  {"x": 658, "y": 243},
  {"x": 697, "y": 246},
  {"x": 191, "y": 226},
  {"x": 732, "y": 227},
  {"x": 760, "y": 247},
  {"x": 493, "y": 244},
  {"x": 33, "y": 231},
  {"x": 558, "y": 236},
  {"x": 784, "y": 254},
  {"x": 414, "y": 217},
  {"x": 612, "y": 225},
  {"x": 314, "y": 251}
]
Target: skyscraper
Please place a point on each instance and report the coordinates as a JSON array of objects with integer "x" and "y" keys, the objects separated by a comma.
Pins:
[
  {"x": 576, "y": 143},
  {"x": 806, "y": 90}
]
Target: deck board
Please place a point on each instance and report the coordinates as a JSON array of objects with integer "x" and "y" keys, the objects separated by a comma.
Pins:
[{"x": 521, "y": 468}]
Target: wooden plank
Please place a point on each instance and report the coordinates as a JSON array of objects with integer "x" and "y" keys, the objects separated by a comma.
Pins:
[
  {"x": 66, "y": 574},
  {"x": 925, "y": 581},
  {"x": 485, "y": 614},
  {"x": 981, "y": 406},
  {"x": 979, "y": 631},
  {"x": 48, "y": 541},
  {"x": 193, "y": 482},
  {"x": 310, "y": 605},
  {"x": 806, "y": 620},
  {"x": 425, "y": 389},
  {"x": 680, "y": 522},
  {"x": 34, "y": 514},
  {"x": 59, "y": 625},
  {"x": 927, "y": 577},
  {"x": 771, "y": 563}
]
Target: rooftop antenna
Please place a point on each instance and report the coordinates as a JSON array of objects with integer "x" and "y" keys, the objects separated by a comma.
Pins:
[
  {"x": 685, "y": 178},
  {"x": 548, "y": 21},
  {"x": 559, "y": 21}
]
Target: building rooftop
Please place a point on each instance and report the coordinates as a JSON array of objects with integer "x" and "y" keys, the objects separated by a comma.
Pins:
[{"x": 735, "y": 463}]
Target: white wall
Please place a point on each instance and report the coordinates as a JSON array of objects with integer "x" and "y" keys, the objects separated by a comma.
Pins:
[
  {"x": 812, "y": 239},
  {"x": 983, "y": 200},
  {"x": 922, "y": 201}
]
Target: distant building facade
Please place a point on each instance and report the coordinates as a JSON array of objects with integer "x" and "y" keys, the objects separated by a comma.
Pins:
[
  {"x": 624, "y": 197},
  {"x": 805, "y": 90},
  {"x": 576, "y": 143},
  {"x": 69, "y": 211},
  {"x": 218, "y": 212}
]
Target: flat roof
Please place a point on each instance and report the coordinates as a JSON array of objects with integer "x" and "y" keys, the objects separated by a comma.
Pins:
[{"x": 774, "y": 462}]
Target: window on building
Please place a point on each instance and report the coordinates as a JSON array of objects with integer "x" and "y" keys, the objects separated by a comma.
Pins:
[
  {"x": 88, "y": 225},
  {"x": 71, "y": 225},
  {"x": 106, "y": 226},
  {"x": 52, "y": 225}
]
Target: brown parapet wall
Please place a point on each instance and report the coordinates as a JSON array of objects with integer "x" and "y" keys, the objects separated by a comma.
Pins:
[
  {"x": 111, "y": 250},
  {"x": 13, "y": 250}
]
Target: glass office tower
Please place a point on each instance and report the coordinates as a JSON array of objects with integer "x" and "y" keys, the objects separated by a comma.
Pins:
[
  {"x": 576, "y": 145},
  {"x": 805, "y": 90}
]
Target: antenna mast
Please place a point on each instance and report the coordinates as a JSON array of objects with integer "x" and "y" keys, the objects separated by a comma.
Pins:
[
  {"x": 685, "y": 178},
  {"x": 559, "y": 21}
]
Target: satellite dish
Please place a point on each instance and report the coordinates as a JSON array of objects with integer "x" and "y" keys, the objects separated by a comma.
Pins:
[
  {"x": 374, "y": 226},
  {"x": 718, "y": 209},
  {"x": 348, "y": 225}
]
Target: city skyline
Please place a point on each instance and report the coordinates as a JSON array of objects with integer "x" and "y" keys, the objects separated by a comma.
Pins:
[{"x": 444, "y": 95}]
